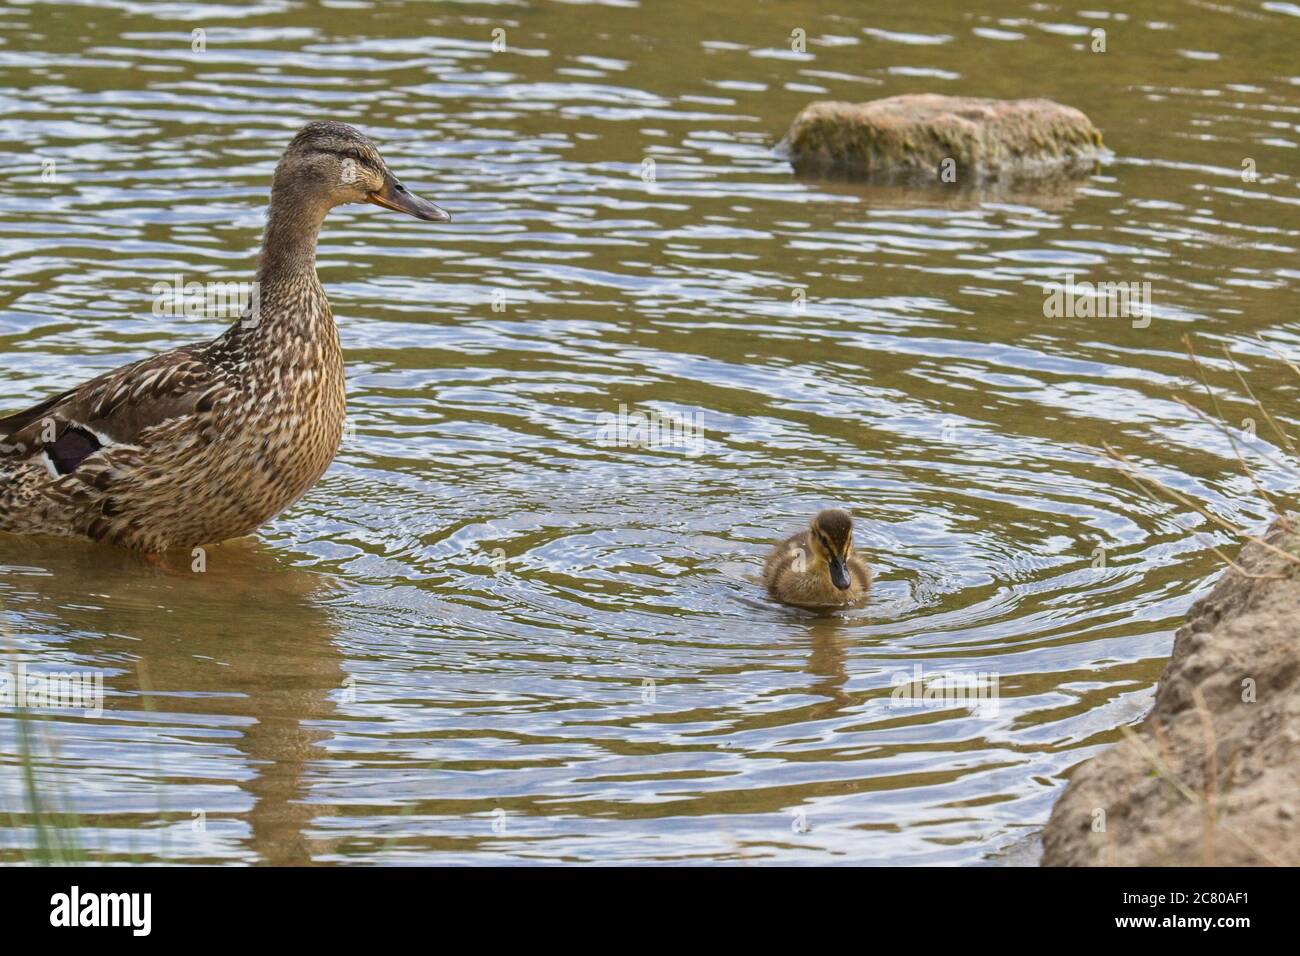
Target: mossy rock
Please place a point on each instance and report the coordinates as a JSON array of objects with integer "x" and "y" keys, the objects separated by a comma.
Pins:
[{"x": 911, "y": 137}]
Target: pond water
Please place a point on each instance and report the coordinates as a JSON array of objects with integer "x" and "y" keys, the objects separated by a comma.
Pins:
[{"x": 491, "y": 634}]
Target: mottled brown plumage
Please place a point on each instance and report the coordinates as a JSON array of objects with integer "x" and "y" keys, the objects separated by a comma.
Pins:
[
  {"x": 209, "y": 441},
  {"x": 818, "y": 567}
]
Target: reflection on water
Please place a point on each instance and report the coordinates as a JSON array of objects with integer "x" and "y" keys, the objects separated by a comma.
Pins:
[
  {"x": 491, "y": 634},
  {"x": 239, "y": 661},
  {"x": 1056, "y": 191}
]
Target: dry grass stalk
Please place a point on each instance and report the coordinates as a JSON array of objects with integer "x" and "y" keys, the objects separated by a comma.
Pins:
[
  {"x": 1143, "y": 481},
  {"x": 1283, "y": 437},
  {"x": 1220, "y": 422},
  {"x": 1154, "y": 488},
  {"x": 1211, "y": 773},
  {"x": 1163, "y": 771}
]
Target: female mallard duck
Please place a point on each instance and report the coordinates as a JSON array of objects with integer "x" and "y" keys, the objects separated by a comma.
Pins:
[
  {"x": 209, "y": 441},
  {"x": 817, "y": 567}
]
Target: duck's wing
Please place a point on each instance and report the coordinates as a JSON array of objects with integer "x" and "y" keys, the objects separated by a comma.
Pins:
[{"x": 116, "y": 408}]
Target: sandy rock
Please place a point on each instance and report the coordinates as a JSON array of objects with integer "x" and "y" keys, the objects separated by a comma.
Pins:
[
  {"x": 910, "y": 137},
  {"x": 1210, "y": 778}
]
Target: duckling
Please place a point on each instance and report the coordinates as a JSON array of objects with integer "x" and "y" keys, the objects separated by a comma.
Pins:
[
  {"x": 210, "y": 441},
  {"x": 817, "y": 567}
]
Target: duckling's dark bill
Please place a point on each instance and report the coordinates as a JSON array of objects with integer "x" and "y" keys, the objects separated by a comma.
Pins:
[
  {"x": 396, "y": 196},
  {"x": 839, "y": 574}
]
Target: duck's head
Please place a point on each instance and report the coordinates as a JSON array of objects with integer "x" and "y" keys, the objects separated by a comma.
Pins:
[
  {"x": 329, "y": 164},
  {"x": 832, "y": 541}
]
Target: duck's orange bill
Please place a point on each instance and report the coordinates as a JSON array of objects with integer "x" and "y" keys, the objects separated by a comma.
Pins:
[{"x": 394, "y": 195}]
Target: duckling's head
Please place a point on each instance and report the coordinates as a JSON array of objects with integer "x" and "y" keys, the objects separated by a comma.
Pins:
[
  {"x": 832, "y": 537},
  {"x": 330, "y": 163}
]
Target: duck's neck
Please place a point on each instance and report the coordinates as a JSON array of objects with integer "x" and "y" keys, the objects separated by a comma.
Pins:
[
  {"x": 290, "y": 305},
  {"x": 289, "y": 242}
]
